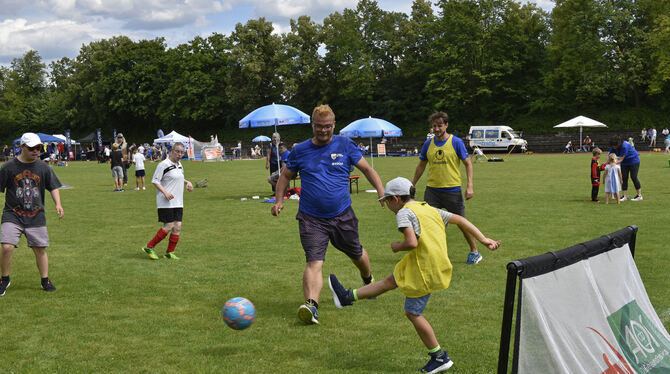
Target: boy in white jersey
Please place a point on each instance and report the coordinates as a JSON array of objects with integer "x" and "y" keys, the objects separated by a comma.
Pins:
[
  {"x": 169, "y": 182},
  {"x": 138, "y": 160},
  {"x": 424, "y": 269}
]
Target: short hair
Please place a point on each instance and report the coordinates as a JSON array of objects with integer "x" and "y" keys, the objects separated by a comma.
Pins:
[
  {"x": 115, "y": 146},
  {"x": 323, "y": 111},
  {"x": 439, "y": 115},
  {"x": 405, "y": 198},
  {"x": 616, "y": 141},
  {"x": 597, "y": 151},
  {"x": 178, "y": 144}
]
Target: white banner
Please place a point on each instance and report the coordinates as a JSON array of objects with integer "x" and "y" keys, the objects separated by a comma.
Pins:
[{"x": 593, "y": 316}]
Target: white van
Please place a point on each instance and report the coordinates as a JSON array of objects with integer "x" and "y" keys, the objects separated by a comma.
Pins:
[{"x": 496, "y": 138}]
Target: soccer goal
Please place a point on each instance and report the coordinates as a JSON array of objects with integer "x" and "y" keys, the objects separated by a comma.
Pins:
[{"x": 583, "y": 309}]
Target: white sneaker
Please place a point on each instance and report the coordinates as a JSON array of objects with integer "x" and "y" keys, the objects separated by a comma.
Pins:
[
  {"x": 144, "y": 188},
  {"x": 637, "y": 198},
  {"x": 623, "y": 198},
  {"x": 137, "y": 188}
]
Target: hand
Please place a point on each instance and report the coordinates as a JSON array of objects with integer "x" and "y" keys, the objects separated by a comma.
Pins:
[
  {"x": 169, "y": 196},
  {"x": 267, "y": 166},
  {"x": 277, "y": 208},
  {"x": 469, "y": 193},
  {"x": 189, "y": 186},
  {"x": 59, "y": 210},
  {"x": 491, "y": 244},
  {"x": 395, "y": 246}
]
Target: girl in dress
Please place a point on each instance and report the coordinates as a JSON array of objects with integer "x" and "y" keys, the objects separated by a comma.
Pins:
[{"x": 612, "y": 177}]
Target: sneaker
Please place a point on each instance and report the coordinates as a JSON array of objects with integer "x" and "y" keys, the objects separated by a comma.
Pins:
[
  {"x": 4, "y": 286},
  {"x": 144, "y": 188},
  {"x": 171, "y": 256},
  {"x": 637, "y": 198},
  {"x": 48, "y": 286},
  {"x": 308, "y": 314},
  {"x": 624, "y": 198},
  {"x": 436, "y": 365},
  {"x": 137, "y": 188},
  {"x": 474, "y": 258},
  {"x": 341, "y": 296},
  {"x": 150, "y": 252}
]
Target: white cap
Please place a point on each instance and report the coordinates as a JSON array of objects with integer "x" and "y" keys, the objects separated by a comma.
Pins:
[
  {"x": 397, "y": 187},
  {"x": 30, "y": 139}
]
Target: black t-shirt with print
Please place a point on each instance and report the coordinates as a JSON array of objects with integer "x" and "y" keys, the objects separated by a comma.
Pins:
[{"x": 24, "y": 185}]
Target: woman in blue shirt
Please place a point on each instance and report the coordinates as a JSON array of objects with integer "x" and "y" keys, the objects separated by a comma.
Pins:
[{"x": 630, "y": 164}]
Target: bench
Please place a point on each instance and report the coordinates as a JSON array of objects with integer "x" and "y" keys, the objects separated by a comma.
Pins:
[{"x": 353, "y": 179}]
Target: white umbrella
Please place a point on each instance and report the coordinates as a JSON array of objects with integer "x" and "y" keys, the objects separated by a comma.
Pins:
[{"x": 580, "y": 122}]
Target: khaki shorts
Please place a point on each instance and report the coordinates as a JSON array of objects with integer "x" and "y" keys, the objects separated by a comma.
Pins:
[{"x": 36, "y": 236}]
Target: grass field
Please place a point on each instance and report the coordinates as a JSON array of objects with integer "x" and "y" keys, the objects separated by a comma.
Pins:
[{"x": 116, "y": 311}]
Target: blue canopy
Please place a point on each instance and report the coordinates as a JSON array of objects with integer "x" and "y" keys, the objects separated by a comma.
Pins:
[
  {"x": 274, "y": 115},
  {"x": 261, "y": 138},
  {"x": 45, "y": 138},
  {"x": 371, "y": 128}
]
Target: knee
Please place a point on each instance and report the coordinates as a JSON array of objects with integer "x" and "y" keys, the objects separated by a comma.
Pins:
[
  {"x": 176, "y": 227},
  {"x": 7, "y": 248}
]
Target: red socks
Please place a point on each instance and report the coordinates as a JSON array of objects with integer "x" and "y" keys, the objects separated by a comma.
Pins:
[
  {"x": 160, "y": 235},
  {"x": 172, "y": 242}
]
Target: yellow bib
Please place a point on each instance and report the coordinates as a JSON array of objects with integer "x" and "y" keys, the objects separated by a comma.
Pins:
[
  {"x": 443, "y": 165},
  {"x": 425, "y": 268}
]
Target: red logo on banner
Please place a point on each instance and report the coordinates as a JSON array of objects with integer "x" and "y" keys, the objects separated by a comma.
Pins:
[{"x": 614, "y": 368}]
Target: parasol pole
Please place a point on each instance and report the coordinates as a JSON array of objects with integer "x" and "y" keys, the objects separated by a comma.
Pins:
[{"x": 372, "y": 155}]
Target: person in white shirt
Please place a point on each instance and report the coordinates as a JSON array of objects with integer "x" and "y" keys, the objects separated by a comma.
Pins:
[
  {"x": 138, "y": 160},
  {"x": 169, "y": 182}
]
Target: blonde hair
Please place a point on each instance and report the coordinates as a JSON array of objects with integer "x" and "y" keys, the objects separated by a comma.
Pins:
[
  {"x": 611, "y": 158},
  {"x": 323, "y": 111},
  {"x": 115, "y": 146},
  {"x": 597, "y": 151}
]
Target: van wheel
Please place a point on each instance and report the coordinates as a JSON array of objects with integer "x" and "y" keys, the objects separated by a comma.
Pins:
[{"x": 510, "y": 148}]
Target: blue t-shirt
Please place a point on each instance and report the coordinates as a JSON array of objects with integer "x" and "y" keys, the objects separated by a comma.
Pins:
[
  {"x": 627, "y": 151},
  {"x": 284, "y": 156},
  {"x": 459, "y": 148},
  {"x": 324, "y": 175}
]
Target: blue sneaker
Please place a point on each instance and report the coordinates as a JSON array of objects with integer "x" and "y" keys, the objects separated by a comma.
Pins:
[
  {"x": 341, "y": 296},
  {"x": 474, "y": 258},
  {"x": 308, "y": 314},
  {"x": 437, "y": 364}
]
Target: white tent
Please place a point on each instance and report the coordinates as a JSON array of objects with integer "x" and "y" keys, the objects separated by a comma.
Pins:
[
  {"x": 172, "y": 137},
  {"x": 580, "y": 122}
]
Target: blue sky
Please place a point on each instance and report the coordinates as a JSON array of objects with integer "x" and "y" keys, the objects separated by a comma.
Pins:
[{"x": 58, "y": 28}]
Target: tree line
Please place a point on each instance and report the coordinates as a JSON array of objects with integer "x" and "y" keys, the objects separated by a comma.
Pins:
[{"x": 482, "y": 61}]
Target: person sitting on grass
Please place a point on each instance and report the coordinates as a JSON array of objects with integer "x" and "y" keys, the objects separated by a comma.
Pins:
[{"x": 424, "y": 269}]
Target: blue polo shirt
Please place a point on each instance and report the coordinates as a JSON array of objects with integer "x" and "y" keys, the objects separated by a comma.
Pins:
[
  {"x": 626, "y": 150},
  {"x": 324, "y": 175}
]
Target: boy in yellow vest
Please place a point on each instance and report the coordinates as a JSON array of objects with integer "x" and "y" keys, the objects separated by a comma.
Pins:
[{"x": 424, "y": 269}]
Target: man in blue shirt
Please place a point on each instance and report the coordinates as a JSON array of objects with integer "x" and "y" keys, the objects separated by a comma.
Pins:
[
  {"x": 630, "y": 164},
  {"x": 325, "y": 214}
]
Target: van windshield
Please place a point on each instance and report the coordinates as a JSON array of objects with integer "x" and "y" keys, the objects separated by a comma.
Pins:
[{"x": 516, "y": 134}]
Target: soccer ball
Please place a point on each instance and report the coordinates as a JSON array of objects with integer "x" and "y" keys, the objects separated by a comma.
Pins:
[{"x": 238, "y": 313}]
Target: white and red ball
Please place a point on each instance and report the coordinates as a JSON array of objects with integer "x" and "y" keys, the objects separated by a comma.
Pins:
[{"x": 238, "y": 313}]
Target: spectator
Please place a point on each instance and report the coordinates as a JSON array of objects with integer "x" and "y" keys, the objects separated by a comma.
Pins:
[
  {"x": 643, "y": 134},
  {"x": 116, "y": 158},
  {"x": 652, "y": 141},
  {"x": 586, "y": 146},
  {"x": 630, "y": 165}
]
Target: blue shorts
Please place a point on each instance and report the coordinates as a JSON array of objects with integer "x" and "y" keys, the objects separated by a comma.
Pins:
[{"x": 416, "y": 305}]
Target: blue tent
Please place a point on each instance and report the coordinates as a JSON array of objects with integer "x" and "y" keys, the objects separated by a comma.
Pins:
[{"x": 45, "y": 138}]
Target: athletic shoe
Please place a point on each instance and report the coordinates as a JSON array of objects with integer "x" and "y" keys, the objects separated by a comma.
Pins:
[
  {"x": 436, "y": 365},
  {"x": 150, "y": 252},
  {"x": 171, "y": 256},
  {"x": 144, "y": 188},
  {"x": 48, "y": 286},
  {"x": 137, "y": 188},
  {"x": 624, "y": 198},
  {"x": 637, "y": 198},
  {"x": 308, "y": 314},
  {"x": 4, "y": 286},
  {"x": 474, "y": 258},
  {"x": 341, "y": 296}
]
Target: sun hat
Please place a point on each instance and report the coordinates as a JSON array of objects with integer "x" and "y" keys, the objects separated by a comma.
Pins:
[
  {"x": 397, "y": 187},
  {"x": 30, "y": 139}
]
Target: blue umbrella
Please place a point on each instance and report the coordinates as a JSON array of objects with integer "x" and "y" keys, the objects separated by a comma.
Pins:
[
  {"x": 45, "y": 138},
  {"x": 261, "y": 138},
  {"x": 274, "y": 115},
  {"x": 371, "y": 128}
]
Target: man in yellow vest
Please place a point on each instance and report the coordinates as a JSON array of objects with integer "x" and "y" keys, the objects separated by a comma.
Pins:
[{"x": 443, "y": 154}]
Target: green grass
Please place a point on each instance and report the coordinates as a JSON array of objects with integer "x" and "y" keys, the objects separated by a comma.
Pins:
[{"x": 116, "y": 311}]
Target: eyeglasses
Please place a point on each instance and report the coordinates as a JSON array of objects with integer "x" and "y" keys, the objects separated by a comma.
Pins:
[{"x": 323, "y": 127}]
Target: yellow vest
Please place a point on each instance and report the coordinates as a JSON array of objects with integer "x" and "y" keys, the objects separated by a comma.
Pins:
[
  {"x": 443, "y": 165},
  {"x": 425, "y": 268}
]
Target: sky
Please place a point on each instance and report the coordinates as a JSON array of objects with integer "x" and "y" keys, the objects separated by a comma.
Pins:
[{"x": 58, "y": 28}]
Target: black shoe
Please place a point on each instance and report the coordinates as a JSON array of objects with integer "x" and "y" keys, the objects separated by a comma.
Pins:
[
  {"x": 437, "y": 364},
  {"x": 48, "y": 286},
  {"x": 341, "y": 296},
  {"x": 3, "y": 286}
]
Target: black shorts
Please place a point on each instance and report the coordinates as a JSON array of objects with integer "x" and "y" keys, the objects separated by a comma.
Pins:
[
  {"x": 341, "y": 231},
  {"x": 167, "y": 215},
  {"x": 452, "y": 201},
  {"x": 139, "y": 173}
]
